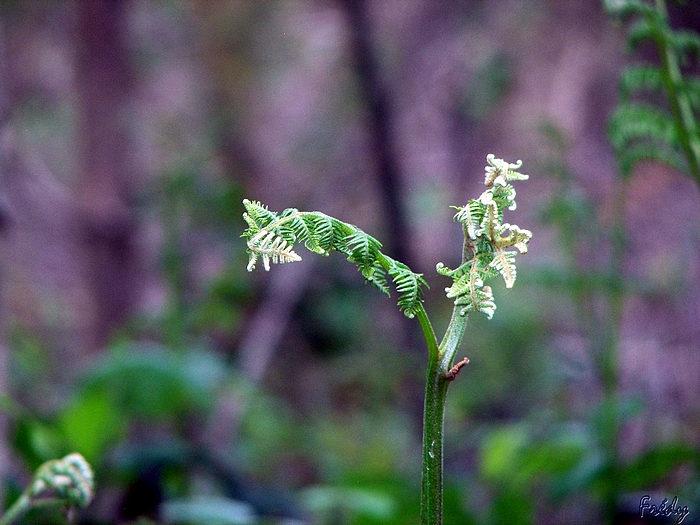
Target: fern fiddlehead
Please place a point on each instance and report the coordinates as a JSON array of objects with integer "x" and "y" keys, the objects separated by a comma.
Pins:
[{"x": 70, "y": 480}]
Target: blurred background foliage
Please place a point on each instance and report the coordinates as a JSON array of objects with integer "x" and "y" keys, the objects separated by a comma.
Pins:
[{"x": 131, "y": 130}]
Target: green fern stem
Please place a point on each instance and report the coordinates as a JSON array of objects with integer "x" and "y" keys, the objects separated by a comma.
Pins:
[
  {"x": 18, "y": 509},
  {"x": 433, "y": 426},
  {"x": 680, "y": 105},
  {"x": 436, "y": 384}
]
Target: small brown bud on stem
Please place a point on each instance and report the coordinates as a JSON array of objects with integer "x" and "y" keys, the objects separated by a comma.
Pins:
[{"x": 452, "y": 372}]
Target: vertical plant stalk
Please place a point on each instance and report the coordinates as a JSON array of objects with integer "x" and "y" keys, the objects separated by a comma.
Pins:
[
  {"x": 437, "y": 380},
  {"x": 608, "y": 356},
  {"x": 438, "y": 377}
]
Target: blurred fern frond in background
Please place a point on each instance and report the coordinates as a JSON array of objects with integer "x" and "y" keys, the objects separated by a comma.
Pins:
[{"x": 656, "y": 116}]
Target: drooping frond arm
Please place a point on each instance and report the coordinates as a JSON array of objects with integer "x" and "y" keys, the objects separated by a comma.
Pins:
[{"x": 272, "y": 237}]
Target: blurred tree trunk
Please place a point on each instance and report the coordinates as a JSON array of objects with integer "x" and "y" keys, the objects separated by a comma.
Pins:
[
  {"x": 228, "y": 30},
  {"x": 5, "y": 131},
  {"x": 381, "y": 137},
  {"x": 106, "y": 223}
]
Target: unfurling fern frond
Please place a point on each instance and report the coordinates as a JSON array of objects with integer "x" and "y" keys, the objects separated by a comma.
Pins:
[
  {"x": 68, "y": 482},
  {"x": 492, "y": 216},
  {"x": 486, "y": 241},
  {"x": 315, "y": 231},
  {"x": 500, "y": 172},
  {"x": 470, "y": 294},
  {"x": 272, "y": 236},
  {"x": 257, "y": 216},
  {"x": 363, "y": 249},
  {"x": 376, "y": 276},
  {"x": 482, "y": 301},
  {"x": 71, "y": 478}
]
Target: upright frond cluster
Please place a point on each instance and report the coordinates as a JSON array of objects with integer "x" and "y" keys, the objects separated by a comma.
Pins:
[
  {"x": 656, "y": 116},
  {"x": 272, "y": 237},
  {"x": 487, "y": 240}
]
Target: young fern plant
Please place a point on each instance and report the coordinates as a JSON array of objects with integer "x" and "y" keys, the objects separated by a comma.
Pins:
[
  {"x": 489, "y": 249},
  {"x": 656, "y": 116},
  {"x": 68, "y": 482}
]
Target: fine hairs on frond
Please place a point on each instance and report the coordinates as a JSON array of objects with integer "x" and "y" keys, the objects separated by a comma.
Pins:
[{"x": 271, "y": 247}]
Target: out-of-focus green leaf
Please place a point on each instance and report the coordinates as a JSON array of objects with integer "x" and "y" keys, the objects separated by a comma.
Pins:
[
  {"x": 584, "y": 475},
  {"x": 454, "y": 505},
  {"x": 91, "y": 424},
  {"x": 512, "y": 507},
  {"x": 611, "y": 410},
  {"x": 208, "y": 510},
  {"x": 556, "y": 455},
  {"x": 351, "y": 501},
  {"x": 151, "y": 381},
  {"x": 653, "y": 466},
  {"x": 37, "y": 441},
  {"x": 500, "y": 453},
  {"x": 513, "y": 457}
]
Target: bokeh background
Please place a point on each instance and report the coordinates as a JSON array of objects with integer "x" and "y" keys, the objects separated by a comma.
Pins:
[{"x": 130, "y": 132}]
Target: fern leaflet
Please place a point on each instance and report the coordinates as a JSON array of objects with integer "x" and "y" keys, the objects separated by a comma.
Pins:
[{"x": 408, "y": 285}]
